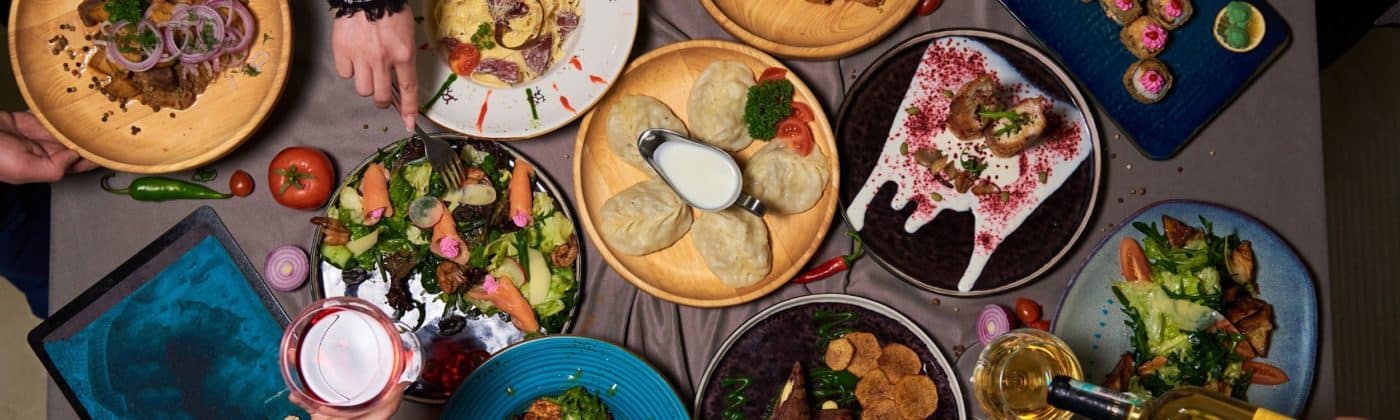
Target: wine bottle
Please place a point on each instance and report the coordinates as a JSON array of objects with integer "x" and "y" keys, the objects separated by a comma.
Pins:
[{"x": 1187, "y": 402}]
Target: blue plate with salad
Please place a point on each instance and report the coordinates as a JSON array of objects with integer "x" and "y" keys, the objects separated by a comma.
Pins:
[
  {"x": 471, "y": 270},
  {"x": 1194, "y": 293},
  {"x": 566, "y": 377}
]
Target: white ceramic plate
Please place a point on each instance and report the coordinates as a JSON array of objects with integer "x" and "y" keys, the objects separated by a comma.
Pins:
[{"x": 593, "y": 58}]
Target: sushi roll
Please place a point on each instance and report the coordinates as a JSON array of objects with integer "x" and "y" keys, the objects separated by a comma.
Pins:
[
  {"x": 1145, "y": 37},
  {"x": 1171, "y": 13},
  {"x": 1148, "y": 80},
  {"x": 1122, "y": 11}
]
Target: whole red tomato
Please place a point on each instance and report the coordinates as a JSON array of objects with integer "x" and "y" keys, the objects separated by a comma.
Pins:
[
  {"x": 301, "y": 178},
  {"x": 1027, "y": 311}
]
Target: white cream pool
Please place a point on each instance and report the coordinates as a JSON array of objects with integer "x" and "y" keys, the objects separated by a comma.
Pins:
[{"x": 706, "y": 178}]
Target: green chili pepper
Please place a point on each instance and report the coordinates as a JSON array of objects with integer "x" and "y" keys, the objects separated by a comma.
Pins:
[{"x": 154, "y": 188}]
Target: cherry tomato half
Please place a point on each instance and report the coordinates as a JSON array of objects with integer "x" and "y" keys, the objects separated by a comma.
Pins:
[
  {"x": 1133, "y": 261},
  {"x": 1027, "y": 311},
  {"x": 772, "y": 73},
  {"x": 241, "y": 183},
  {"x": 1264, "y": 374},
  {"x": 803, "y": 112},
  {"x": 796, "y": 134},
  {"x": 927, "y": 7},
  {"x": 301, "y": 178},
  {"x": 463, "y": 58}
]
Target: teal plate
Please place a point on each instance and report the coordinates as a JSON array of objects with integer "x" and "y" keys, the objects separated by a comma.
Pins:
[
  {"x": 1090, "y": 318},
  {"x": 506, "y": 384}
]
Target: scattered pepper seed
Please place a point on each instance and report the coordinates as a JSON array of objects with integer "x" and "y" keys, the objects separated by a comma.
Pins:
[
  {"x": 937, "y": 302},
  {"x": 384, "y": 130},
  {"x": 366, "y": 126},
  {"x": 135, "y": 130},
  {"x": 1179, "y": 169},
  {"x": 1120, "y": 200},
  {"x": 1113, "y": 156},
  {"x": 955, "y": 309},
  {"x": 1129, "y": 166},
  {"x": 1212, "y": 152}
]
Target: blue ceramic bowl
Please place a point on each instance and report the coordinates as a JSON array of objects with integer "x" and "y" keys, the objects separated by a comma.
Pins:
[
  {"x": 1090, "y": 318},
  {"x": 505, "y": 385}
]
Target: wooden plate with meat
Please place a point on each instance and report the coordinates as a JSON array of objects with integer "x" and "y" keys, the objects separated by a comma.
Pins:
[
  {"x": 56, "y": 49},
  {"x": 810, "y": 29}
]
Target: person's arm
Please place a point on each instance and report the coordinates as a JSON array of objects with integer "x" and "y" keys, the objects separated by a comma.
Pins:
[
  {"x": 29, "y": 153},
  {"x": 372, "y": 40}
]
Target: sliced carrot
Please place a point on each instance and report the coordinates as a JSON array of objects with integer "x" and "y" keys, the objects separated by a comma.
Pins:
[
  {"x": 445, "y": 233},
  {"x": 521, "y": 199},
  {"x": 1133, "y": 261},
  {"x": 374, "y": 187},
  {"x": 1264, "y": 374},
  {"x": 1152, "y": 365},
  {"x": 504, "y": 294}
]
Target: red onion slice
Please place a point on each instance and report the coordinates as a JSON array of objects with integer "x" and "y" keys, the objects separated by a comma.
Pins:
[
  {"x": 243, "y": 35},
  {"x": 286, "y": 268},
  {"x": 993, "y": 321},
  {"x": 151, "y": 57}
]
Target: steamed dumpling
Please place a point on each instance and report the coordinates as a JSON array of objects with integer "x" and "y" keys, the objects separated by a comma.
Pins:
[
  {"x": 716, "y": 105},
  {"x": 644, "y": 218},
  {"x": 632, "y": 115},
  {"x": 734, "y": 244},
  {"x": 785, "y": 182}
]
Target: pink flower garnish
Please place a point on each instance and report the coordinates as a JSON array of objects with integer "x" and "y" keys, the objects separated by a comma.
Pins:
[
  {"x": 520, "y": 218},
  {"x": 1152, "y": 81},
  {"x": 1173, "y": 9},
  {"x": 489, "y": 285},
  {"x": 449, "y": 247},
  {"x": 1124, "y": 5},
  {"x": 1154, "y": 37}
]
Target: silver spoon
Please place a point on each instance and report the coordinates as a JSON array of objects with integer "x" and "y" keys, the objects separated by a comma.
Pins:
[{"x": 651, "y": 139}]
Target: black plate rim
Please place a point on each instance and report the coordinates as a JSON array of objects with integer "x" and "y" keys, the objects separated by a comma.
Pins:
[
  {"x": 1085, "y": 107},
  {"x": 861, "y": 301},
  {"x": 318, "y": 290}
]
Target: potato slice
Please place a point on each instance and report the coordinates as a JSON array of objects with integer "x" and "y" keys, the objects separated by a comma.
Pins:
[
  {"x": 916, "y": 396},
  {"x": 839, "y": 353},
  {"x": 884, "y": 409},
  {"x": 898, "y": 361},
  {"x": 867, "y": 349},
  {"x": 873, "y": 388}
]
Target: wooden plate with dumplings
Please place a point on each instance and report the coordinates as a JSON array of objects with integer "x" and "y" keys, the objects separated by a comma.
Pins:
[
  {"x": 648, "y": 234},
  {"x": 810, "y": 29}
]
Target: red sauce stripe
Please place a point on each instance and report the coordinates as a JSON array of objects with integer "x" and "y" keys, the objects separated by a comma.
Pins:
[
  {"x": 596, "y": 79},
  {"x": 577, "y": 65},
  {"x": 565, "y": 102},
  {"x": 481, "y": 117}
]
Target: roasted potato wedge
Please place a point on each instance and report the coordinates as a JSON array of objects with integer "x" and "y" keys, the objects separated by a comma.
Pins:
[{"x": 1178, "y": 233}]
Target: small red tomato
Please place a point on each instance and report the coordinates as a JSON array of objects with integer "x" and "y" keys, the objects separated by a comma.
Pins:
[
  {"x": 463, "y": 58},
  {"x": 1264, "y": 374},
  {"x": 1027, "y": 311},
  {"x": 241, "y": 183},
  {"x": 1041, "y": 324},
  {"x": 803, "y": 112},
  {"x": 772, "y": 73},
  {"x": 301, "y": 178},
  {"x": 927, "y": 7},
  {"x": 1133, "y": 261},
  {"x": 796, "y": 134}
]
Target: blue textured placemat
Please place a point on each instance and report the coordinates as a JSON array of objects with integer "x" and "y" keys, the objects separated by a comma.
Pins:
[
  {"x": 1207, "y": 76},
  {"x": 177, "y": 332}
]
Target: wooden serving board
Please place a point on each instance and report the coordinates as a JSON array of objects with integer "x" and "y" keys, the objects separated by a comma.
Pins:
[
  {"x": 223, "y": 117},
  {"x": 805, "y": 30},
  {"x": 678, "y": 273}
]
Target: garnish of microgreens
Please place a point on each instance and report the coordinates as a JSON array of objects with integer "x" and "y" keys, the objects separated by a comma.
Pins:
[{"x": 1014, "y": 120}]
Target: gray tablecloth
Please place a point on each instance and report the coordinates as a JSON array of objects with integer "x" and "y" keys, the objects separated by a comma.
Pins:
[{"x": 1263, "y": 155}]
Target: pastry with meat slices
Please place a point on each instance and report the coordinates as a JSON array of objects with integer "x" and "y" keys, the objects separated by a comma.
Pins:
[{"x": 975, "y": 96}]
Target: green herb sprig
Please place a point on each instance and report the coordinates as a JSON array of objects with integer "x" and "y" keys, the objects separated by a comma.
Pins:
[{"x": 768, "y": 103}]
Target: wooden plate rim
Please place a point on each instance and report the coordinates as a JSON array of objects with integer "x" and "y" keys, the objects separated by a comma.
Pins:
[
  {"x": 1084, "y": 106},
  {"x": 279, "y": 83},
  {"x": 827, "y": 52},
  {"x": 771, "y": 283}
]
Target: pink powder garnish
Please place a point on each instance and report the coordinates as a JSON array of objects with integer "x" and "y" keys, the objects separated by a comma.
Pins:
[
  {"x": 1154, "y": 37},
  {"x": 1152, "y": 81},
  {"x": 520, "y": 218},
  {"x": 489, "y": 285},
  {"x": 1172, "y": 9},
  {"x": 449, "y": 247},
  {"x": 376, "y": 213},
  {"x": 1124, "y": 5}
]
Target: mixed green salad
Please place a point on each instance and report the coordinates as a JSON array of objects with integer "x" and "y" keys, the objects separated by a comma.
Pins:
[
  {"x": 575, "y": 404},
  {"x": 1193, "y": 308},
  {"x": 498, "y": 243}
]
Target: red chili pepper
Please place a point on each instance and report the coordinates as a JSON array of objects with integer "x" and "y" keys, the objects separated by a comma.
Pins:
[{"x": 834, "y": 265}]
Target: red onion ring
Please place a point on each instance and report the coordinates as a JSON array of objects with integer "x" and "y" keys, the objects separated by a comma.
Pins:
[
  {"x": 152, "y": 57},
  {"x": 249, "y": 26},
  {"x": 993, "y": 321},
  {"x": 286, "y": 268},
  {"x": 191, "y": 21}
]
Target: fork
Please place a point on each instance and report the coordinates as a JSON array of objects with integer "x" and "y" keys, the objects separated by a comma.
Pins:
[{"x": 438, "y": 153}]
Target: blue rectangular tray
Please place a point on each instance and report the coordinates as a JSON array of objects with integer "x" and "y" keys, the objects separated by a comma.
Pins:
[
  {"x": 184, "y": 329},
  {"x": 1207, "y": 76}
]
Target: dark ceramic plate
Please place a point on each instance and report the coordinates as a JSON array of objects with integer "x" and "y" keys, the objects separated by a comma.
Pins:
[
  {"x": 764, "y": 348},
  {"x": 483, "y": 335},
  {"x": 1208, "y": 77},
  {"x": 945, "y": 245}
]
